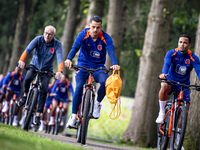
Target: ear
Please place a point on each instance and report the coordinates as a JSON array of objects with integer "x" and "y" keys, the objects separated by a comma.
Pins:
[{"x": 189, "y": 45}]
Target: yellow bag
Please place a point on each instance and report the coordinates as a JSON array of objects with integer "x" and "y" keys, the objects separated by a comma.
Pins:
[{"x": 113, "y": 90}]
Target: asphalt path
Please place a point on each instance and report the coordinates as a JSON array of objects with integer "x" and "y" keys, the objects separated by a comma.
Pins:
[{"x": 89, "y": 144}]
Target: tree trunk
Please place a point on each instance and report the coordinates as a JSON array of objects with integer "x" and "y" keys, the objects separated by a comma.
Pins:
[
  {"x": 115, "y": 27},
  {"x": 95, "y": 8},
  {"x": 142, "y": 127},
  {"x": 20, "y": 32},
  {"x": 192, "y": 138},
  {"x": 69, "y": 29}
]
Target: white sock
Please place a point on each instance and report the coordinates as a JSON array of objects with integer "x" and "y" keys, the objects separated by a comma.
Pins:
[
  {"x": 51, "y": 118},
  {"x": 6, "y": 103},
  {"x": 162, "y": 106},
  {"x": 73, "y": 115},
  {"x": 97, "y": 102}
]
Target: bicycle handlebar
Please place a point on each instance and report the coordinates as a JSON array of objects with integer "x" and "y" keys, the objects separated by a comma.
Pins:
[
  {"x": 76, "y": 67},
  {"x": 39, "y": 71},
  {"x": 168, "y": 81}
]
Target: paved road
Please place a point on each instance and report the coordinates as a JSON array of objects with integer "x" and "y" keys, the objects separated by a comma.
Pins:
[{"x": 89, "y": 145}]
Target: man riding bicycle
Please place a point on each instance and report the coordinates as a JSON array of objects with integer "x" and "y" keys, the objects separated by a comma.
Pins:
[
  {"x": 61, "y": 90},
  {"x": 177, "y": 67},
  {"x": 94, "y": 43},
  {"x": 12, "y": 83},
  {"x": 45, "y": 48}
]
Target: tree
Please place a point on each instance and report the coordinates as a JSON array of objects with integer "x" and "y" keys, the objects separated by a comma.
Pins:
[
  {"x": 192, "y": 138},
  {"x": 95, "y": 8},
  {"x": 142, "y": 127},
  {"x": 70, "y": 26},
  {"x": 115, "y": 26},
  {"x": 20, "y": 32}
]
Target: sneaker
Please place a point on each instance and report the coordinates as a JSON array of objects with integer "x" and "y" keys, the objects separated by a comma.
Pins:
[
  {"x": 15, "y": 122},
  {"x": 5, "y": 107},
  {"x": 22, "y": 101},
  {"x": 96, "y": 111},
  {"x": 37, "y": 120},
  {"x": 160, "y": 118},
  {"x": 72, "y": 121},
  {"x": 41, "y": 126}
]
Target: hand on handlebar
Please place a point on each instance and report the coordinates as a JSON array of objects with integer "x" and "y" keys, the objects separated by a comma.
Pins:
[
  {"x": 115, "y": 67},
  {"x": 162, "y": 76},
  {"x": 68, "y": 64},
  {"x": 21, "y": 64}
]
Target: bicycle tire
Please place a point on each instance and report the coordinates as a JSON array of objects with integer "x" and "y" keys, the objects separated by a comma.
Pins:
[
  {"x": 85, "y": 116},
  {"x": 163, "y": 140},
  {"x": 33, "y": 100},
  {"x": 181, "y": 114},
  {"x": 10, "y": 115},
  {"x": 78, "y": 133},
  {"x": 59, "y": 119}
]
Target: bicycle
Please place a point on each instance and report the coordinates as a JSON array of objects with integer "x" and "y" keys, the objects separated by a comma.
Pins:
[
  {"x": 175, "y": 115},
  {"x": 9, "y": 114},
  {"x": 87, "y": 104},
  {"x": 46, "y": 121},
  {"x": 58, "y": 117},
  {"x": 32, "y": 97}
]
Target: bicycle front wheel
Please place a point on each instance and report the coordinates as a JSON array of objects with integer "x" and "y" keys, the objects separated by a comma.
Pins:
[
  {"x": 163, "y": 139},
  {"x": 85, "y": 116},
  {"x": 32, "y": 104},
  {"x": 59, "y": 119},
  {"x": 178, "y": 133}
]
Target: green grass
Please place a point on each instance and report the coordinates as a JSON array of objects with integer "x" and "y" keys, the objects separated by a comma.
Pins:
[{"x": 14, "y": 138}]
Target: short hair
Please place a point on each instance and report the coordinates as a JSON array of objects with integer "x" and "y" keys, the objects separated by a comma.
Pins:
[
  {"x": 96, "y": 19},
  {"x": 50, "y": 26},
  {"x": 187, "y": 36}
]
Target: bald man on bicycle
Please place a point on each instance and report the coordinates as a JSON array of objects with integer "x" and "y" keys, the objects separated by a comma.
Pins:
[{"x": 93, "y": 43}]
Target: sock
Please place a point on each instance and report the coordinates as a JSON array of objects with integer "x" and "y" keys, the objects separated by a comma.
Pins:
[
  {"x": 162, "y": 106},
  {"x": 73, "y": 115},
  {"x": 52, "y": 118}
]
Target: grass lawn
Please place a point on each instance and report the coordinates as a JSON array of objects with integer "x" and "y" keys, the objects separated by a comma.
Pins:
[{"x": 14, "y": 138}]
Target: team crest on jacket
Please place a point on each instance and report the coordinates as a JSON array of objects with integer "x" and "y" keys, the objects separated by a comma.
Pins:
[
  {"x": 99, "y": 47},
  {"x": 52, "y": 50},
  {"x": 187, "y": 61}
]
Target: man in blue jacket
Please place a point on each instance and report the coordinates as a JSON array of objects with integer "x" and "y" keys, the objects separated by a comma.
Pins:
[
  {"x": 94, "y": 44},
  {"x": 45, "y": 48}
]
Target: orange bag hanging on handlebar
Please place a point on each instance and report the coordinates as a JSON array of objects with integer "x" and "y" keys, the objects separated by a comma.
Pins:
[{"x": 113, "y": 90}]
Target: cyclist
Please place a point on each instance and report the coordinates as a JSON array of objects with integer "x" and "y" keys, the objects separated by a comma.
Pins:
[
  {"x": 61, "y": 90},
  {"x": 2, "y": 92},
  {"x": 47, "y": 103},
  {"x": 45, "y": 48},
  {"x": 13, "y": 82},
  {"x": 94, "y": 43},
  {"x": 177, "y": 66}
]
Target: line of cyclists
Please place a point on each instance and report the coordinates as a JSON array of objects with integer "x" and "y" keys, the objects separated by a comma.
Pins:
[{"x": 59, "y": 91}]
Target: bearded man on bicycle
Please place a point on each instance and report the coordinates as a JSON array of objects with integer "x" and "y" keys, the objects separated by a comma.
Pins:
[
  {"x": 94, "y": 43},
  {"x": 178, "y": 64},
  {"x": 45, "y": 48}
]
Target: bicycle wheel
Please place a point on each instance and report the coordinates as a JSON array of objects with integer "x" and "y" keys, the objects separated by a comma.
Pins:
[
  {"x": 179, "y": 128},
  {"x": 59, "y": 119},
  {"x": 85, "y": 116},
  {"x": 32, "y": 104},
  {"x": 163, "y": 139},
  {"x": 78, "y": 134},
  {"x": 10, "y": 115}
]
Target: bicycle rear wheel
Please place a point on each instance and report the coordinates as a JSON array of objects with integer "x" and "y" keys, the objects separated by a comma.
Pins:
[
  {"x": 85, "y": 116},
  {"x": 28, "y": 112},
  {"x": 163, "y": 139},
  {"x": 179, "y": 128}
]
